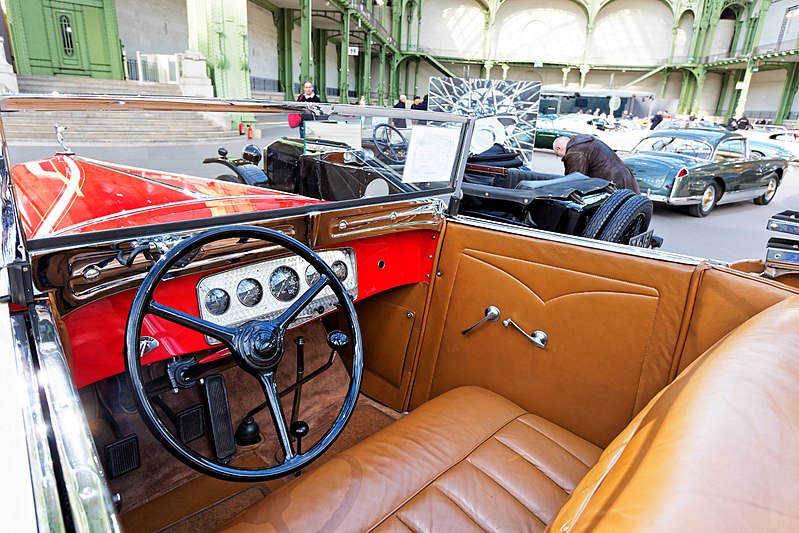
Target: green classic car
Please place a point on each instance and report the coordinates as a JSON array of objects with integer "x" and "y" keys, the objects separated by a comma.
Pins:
[
  {"x": 546, "y": 133},
  {"x": 701, "y": 168}
]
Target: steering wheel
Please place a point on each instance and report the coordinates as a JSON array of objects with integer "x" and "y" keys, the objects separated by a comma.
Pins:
[
  {"x": 257, "y": 346},
  {"x": 394, "y": 152}
]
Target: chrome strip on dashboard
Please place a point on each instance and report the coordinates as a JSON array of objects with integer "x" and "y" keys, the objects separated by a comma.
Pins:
[
  {"x": 87, "y": 490},
  {"x": 92, "y": 271},
  {"x": 581, "y": 241}
]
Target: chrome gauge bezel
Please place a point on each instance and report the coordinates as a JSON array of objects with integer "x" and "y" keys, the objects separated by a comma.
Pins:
[{"x": 269, "y": 306}]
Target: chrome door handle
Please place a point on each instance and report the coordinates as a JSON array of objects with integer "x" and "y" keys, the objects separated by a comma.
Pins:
[
  {"x": 492, "y": 315},
  {"x": 538, "y": 337}
]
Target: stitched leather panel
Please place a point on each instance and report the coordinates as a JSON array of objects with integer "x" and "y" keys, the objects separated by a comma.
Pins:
[{"x": 468, "y": 460}]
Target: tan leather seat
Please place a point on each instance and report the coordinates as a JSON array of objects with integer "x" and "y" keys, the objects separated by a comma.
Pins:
[
  {"x": 466, "y": 460},
  {"x": 717, "y": 450}
]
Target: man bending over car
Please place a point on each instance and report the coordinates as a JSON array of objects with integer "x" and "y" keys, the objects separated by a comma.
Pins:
[{"x": 590, "y": 156}]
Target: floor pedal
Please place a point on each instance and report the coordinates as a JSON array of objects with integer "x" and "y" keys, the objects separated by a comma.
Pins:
[
  {"x": 122, "y": 456},
  {"x": 190, "y": 423},
  {"x": 219, "y": 417}
]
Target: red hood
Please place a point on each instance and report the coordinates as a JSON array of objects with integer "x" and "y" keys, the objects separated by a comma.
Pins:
[{"x": 65, "y": 194}]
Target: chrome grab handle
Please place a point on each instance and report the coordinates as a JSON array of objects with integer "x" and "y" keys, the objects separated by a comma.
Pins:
[
  {"x": 538, "y": 337},
  {"x": 492, "y": 315}
]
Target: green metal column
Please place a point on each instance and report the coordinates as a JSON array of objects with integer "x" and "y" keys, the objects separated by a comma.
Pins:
[
  {"x": 407, "y": 77},
  {"x": 788, "y": 93},
  {"x": 700, "y": 83},
  {"x": 305, "y": 41},
  {"x": 736, "y": 36},
  {"x": 394, "y": 80},
  {"x": 366, "y": 83},
  {"x": 664, "y": 85},
  {"x": 686, "y": 92},
  {"x": 381, "y": 87},
  {"x": 344, "y": 59},
  {"x": 416, "y": 78},
  {"x": 320, "y": 63},
  {"x": 725, "y": 88},
  {"x": 284, "y": 21},
  {"x": 218, "y": 30},
  {"x": 736, "y": 77},
  {"x": 741, "y": 107}
]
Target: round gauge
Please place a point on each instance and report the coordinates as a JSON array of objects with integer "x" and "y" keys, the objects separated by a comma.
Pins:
[
  {"x": 311, "y": 275},
  {"x": 249, "y": 292},
  {"x": 217, "y": 301},
  {"x": 340, "y": 269},
  {"x": 284, "y": 283}
]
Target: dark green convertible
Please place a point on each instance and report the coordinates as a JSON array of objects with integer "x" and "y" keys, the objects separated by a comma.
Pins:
[{"x": 701, "y": 168}]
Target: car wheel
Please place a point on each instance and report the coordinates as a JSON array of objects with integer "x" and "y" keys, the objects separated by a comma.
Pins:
[
  {"x": 605, "y": 211},
  {"x": 631, "y": 219},
  {"x": 771, "y": 190},
  {"x": 709, "y": 198}
]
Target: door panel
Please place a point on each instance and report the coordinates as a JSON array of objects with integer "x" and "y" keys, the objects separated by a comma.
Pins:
[{"x": 613, "y": 322}]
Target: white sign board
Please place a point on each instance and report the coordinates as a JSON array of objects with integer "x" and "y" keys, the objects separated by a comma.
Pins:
[
  {"x": 352, "y": 50},
  {"x": 614, "y": 104},
  {"x": 431, "y": 150}
]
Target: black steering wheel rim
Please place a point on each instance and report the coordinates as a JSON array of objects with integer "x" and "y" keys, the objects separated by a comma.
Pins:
[
  {"x": 385, "y": 147},
  {"x": 142, "y": 305}
]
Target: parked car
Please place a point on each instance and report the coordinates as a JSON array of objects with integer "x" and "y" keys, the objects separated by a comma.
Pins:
[
  {"x": 701, "y": 168},
  {"x": 177, "y": 350},
  {"x": 546, "y": 132}
]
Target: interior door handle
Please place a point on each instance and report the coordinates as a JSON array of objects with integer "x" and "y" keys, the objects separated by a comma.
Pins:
[
  {"x": 538, "y": 337},
  {"x": 492, "y": 315}
]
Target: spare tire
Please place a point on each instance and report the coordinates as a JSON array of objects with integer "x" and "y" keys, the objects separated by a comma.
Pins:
[
  {"x": 605, "y": 211},
  {"x": 631, "y": 219}
]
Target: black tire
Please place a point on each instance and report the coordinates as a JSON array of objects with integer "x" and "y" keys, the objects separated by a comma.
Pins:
[
  {"x": 233, "y": 178},
  {"x": 709, "y": 198},
  {"x": 768, "y": 196},
  {"x": 605, "y": 211},
  {"x": 631, "y": 219}
]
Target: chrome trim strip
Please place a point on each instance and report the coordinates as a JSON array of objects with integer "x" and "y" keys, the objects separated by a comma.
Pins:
[
  {"x": 87, "y": 490},
  {"x": 581, "y": 241},
  {"x": 685, "y": 200},
  {"x": 45, "y": 484},
  {"x": 740, "y": 196}
]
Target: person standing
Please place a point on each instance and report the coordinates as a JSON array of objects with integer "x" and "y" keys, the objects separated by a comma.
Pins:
[
  {"x": 657, "y": 119},
  {"x": 308, "y": 94},
  {"x": 590, "y": 156},
  {"x": 401, "y": 104}
]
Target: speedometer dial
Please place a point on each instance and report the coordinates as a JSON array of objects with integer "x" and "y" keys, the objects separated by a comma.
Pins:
[
  {"x": 284, "y": 283},
  {"x": 249, "y": 292}
]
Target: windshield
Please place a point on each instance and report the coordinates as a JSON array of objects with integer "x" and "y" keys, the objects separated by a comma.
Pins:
[
  {"x": 85, "y": 170},
  {"x": 675, "y": 145}
]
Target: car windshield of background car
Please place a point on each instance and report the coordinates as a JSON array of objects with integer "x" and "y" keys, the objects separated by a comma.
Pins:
[{"x": 675, "y": 145}]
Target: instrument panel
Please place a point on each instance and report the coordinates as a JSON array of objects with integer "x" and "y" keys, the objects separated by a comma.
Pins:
[{"x": 266, "y": 289}]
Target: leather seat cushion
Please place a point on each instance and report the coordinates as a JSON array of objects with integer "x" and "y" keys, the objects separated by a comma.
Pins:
[{"x": 468, "y": 460}]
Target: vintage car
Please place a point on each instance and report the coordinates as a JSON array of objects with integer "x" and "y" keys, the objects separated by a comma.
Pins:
[
  {"x": 546, "y": 132},
  {"x": 190, "y": 354},
  {"x": 700, "y": 168}
]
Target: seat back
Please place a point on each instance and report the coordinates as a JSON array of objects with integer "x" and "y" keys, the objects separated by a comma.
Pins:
[{"x": 716, "y": 450}]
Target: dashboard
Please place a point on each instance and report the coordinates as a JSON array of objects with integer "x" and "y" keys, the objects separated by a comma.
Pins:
[{"x": 266, "y": 289}]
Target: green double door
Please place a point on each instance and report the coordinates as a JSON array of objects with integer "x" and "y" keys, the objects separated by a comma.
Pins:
[{"x": 65, "y": 37}]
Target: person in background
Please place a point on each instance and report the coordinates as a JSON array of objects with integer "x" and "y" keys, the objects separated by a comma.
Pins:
[
  {"x": 657, "y": 119},
  {"x": 423, "y": 105},
  {"x": 743, "y": 123},
  {"x": 732, "y": 124},
  {"x": 362, "y": 101},
  {"x": 590, "y": 156},
  {"x": 417, "y": 101},
  {"x": 308, "y": 94},
  {"x": 401, "y": 104}
]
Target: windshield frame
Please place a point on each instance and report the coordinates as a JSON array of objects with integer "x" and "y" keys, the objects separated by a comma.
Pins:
[{"x": 14, "y": 241}]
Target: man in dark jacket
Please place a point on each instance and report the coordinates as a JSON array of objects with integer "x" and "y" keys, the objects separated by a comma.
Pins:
[
  {"x": 308, "y": 94},
  {"x": 401, "y": 104},
  {"x": 657, "y": 119},
  {"x": 592, "y": 157}
]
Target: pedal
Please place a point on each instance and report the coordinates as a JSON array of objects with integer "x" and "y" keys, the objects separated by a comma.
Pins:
[
  {"x": 190, "y": 423},
  {"x": 219, "y": 417},
  {"x": 122, "y": 456}
]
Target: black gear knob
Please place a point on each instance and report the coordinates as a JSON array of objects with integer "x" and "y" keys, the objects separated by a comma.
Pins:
[
  {"x": 298, "y": 430},
  {"x": 222, "y": 151},
  {"x": 337, "y": 340}
]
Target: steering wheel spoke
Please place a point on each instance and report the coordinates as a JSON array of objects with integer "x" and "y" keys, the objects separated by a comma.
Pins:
[
  {"x": 394, "y": 152},
  {"x": 226, "y": 335},
  {"x": 288, "y": 316},
  {"x": 267, "y": 381}
]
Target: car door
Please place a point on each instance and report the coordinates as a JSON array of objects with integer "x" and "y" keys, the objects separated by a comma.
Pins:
[{"x": 737, "y": 172}]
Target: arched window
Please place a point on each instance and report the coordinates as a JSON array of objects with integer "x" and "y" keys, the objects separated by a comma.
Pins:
[{"x": 66, "y": 36}]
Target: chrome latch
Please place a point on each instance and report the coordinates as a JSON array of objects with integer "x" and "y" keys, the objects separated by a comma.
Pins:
[
  {"x": 492, "y": 315},
  {"x": 538, "y": 337},
  {"x": 147, "y": 345}
]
